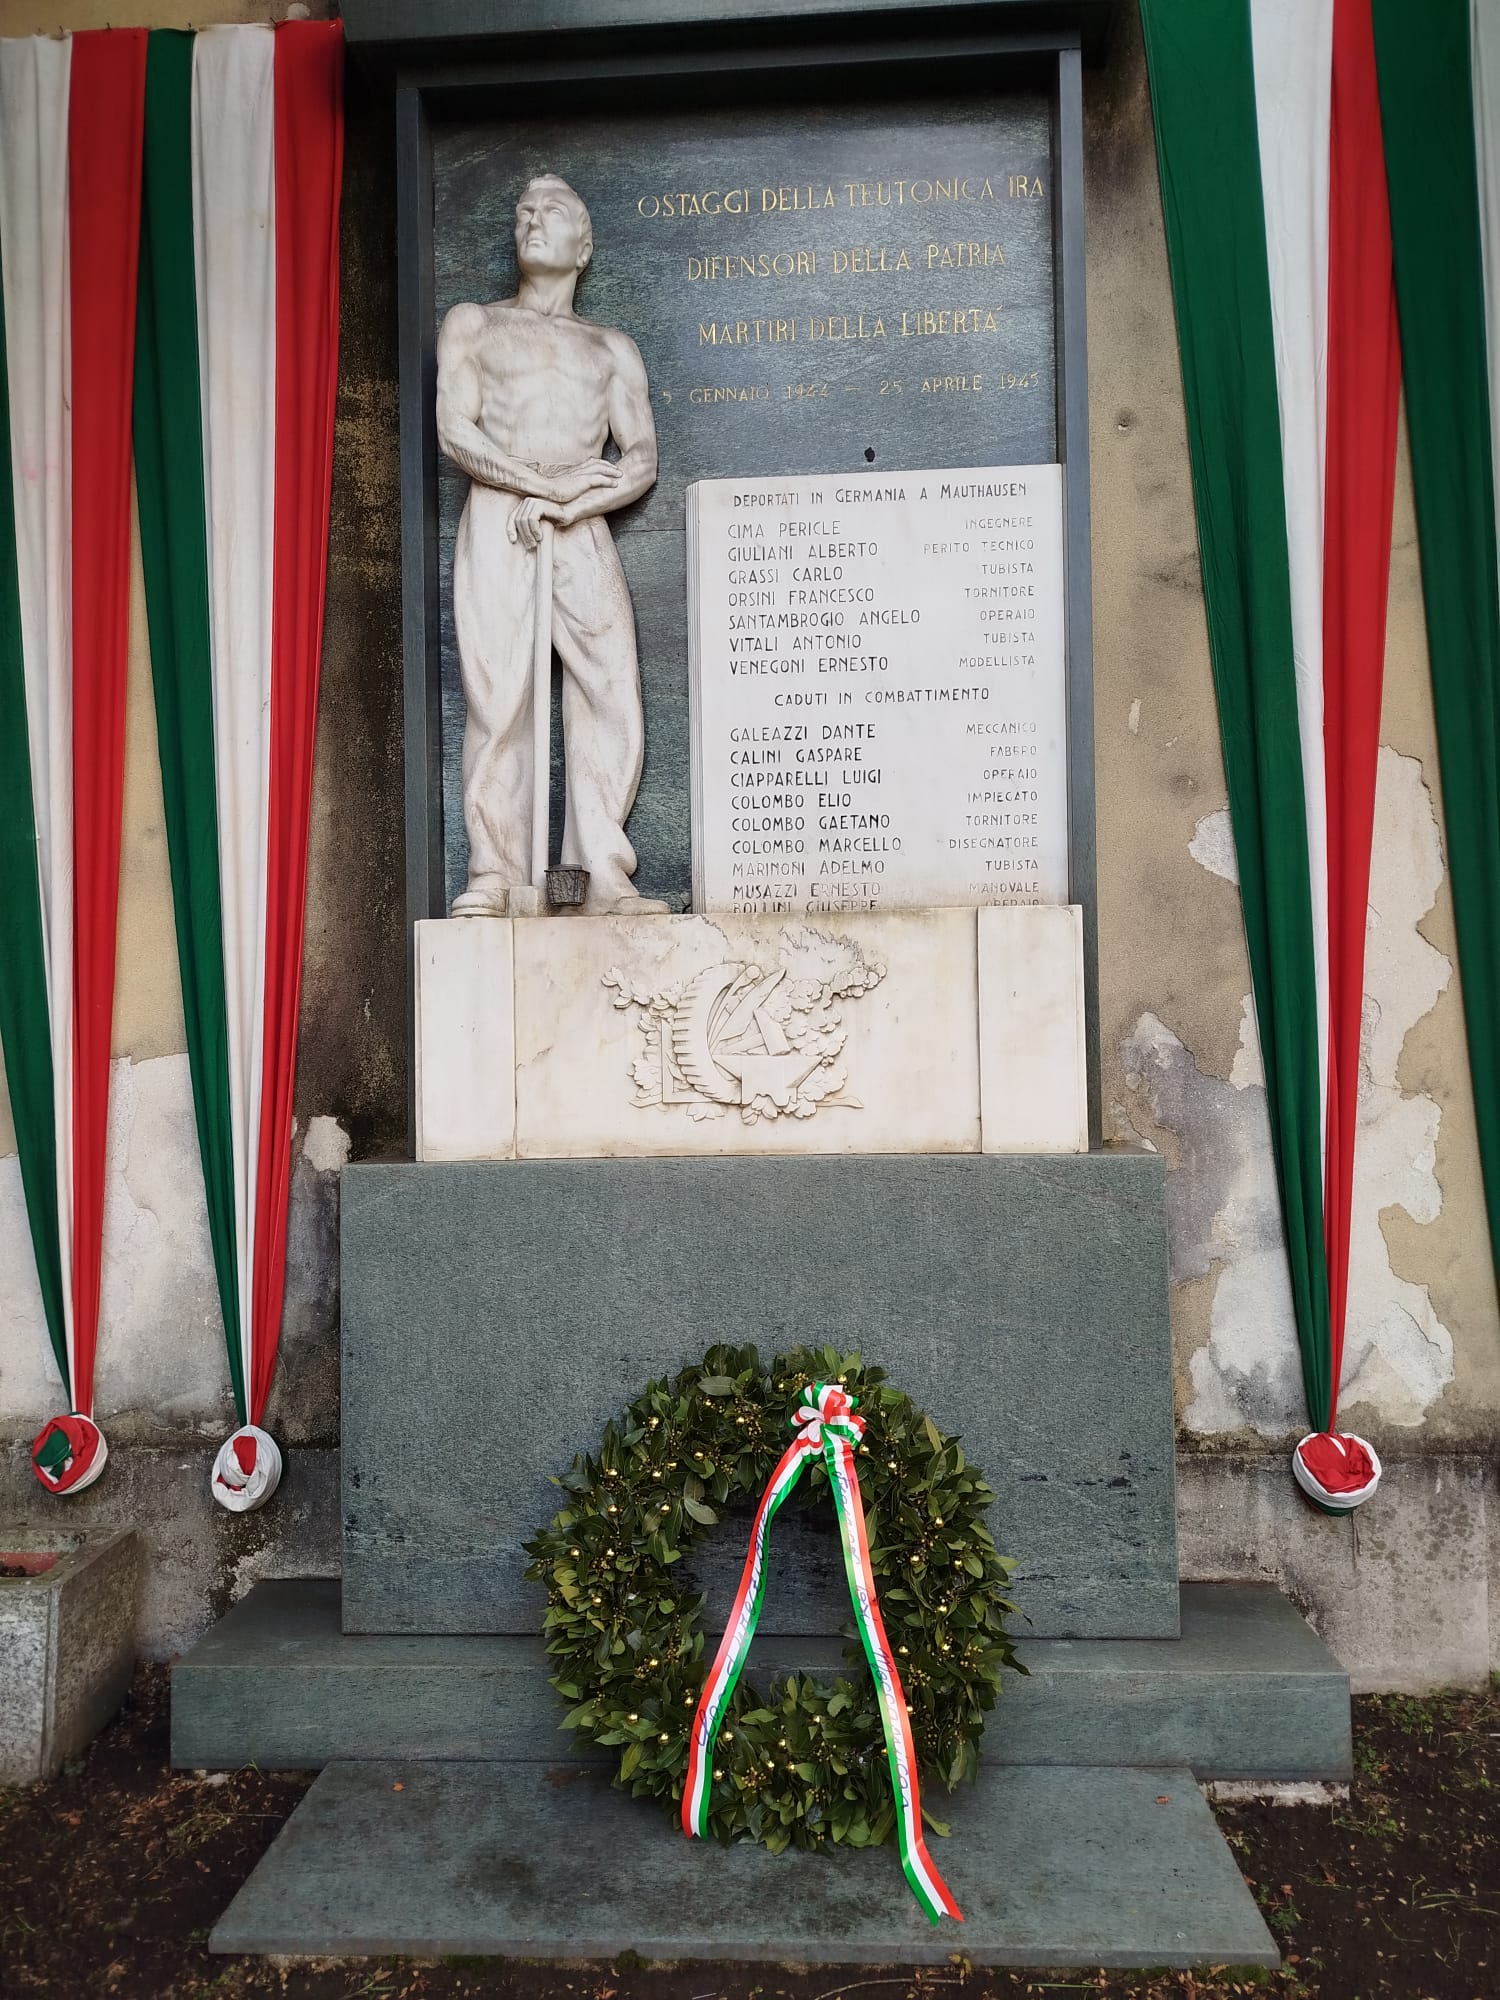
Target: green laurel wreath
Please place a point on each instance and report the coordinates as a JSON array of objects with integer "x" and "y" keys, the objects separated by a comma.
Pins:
[{"x": 804, "y": 1763}]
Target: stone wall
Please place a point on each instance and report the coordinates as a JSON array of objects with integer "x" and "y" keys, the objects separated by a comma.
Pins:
[{"x": 1404, "y": 1592}]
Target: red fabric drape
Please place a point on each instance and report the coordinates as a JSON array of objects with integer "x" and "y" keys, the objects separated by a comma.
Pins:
[
  {"x": 309, "y": 164},
  {"x": 106, "y": 111},
  {"x": 1364, "y": 368}
]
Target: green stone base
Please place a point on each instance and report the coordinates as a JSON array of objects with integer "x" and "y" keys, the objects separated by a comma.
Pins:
[
  {"x": 1247, "y": 1692},
  {"x": 496, "y": 1315},
  {"x": 1051, "y": 1867}
]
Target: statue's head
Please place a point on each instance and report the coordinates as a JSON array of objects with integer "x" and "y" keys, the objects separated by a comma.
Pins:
[{"x": 553, "y": 230}]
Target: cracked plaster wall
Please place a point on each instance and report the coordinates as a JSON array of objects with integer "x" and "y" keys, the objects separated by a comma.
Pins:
[{"x": 1224, "y": 1219}]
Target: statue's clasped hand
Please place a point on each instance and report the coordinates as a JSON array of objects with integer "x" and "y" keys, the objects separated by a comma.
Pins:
[
  {"x": 569, "y": 487},
  {"x": 572, "y": 482},
  {"x": 525, "y": 524}
]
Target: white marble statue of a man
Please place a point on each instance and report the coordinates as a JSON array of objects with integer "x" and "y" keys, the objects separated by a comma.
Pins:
[{"x": 528, "y": 396}]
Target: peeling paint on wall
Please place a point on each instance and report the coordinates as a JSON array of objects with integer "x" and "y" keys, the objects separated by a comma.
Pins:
[
  {"x": 1398, "y": 1357},
  {"x": 327, "y": 1145},
  {"x": 1223, "y": 1210},
  {"x": 1212, "y": 846}
]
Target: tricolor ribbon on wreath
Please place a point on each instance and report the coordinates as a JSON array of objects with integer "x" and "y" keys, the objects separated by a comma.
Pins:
[{"x": 827, "y": 1428}]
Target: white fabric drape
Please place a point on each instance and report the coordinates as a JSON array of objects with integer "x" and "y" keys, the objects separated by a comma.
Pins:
[
  {"x": 34, "y": 81},
  {"x": 1292, "y": 42},
  {"x": 234, "y": 228}
]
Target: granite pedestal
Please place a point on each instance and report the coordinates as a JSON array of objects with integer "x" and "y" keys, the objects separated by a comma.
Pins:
[
  {"x": 1246, "y": 1692},
  {"x": 1021, "y": 1300},
  {"x": 67, "y": 1649}
]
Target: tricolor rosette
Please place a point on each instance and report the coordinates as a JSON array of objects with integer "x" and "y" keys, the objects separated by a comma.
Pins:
[
  {"x": 247, "y": 1470},
  {"x": 69, "y": 1453},
  {"x": 1336, "y": 1470}
]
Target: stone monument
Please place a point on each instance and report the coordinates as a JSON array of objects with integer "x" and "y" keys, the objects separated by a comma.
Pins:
[
  {"x": 850, "y": 1096},
  {"x": 528, "y": 396}
]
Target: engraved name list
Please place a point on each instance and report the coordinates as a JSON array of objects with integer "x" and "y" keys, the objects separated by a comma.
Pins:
[{"x": 877, "y": 680}]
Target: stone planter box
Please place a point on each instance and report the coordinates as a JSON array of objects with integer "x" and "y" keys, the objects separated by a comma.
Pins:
[{"x": 67, "y": 1649}]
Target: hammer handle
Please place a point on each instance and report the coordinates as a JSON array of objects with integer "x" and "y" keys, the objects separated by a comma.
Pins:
[{"x": 541, "y": 712}]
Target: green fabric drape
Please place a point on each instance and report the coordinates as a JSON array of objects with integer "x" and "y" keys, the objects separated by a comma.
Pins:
[
  {"x": 24, "y": 1031},
  {"x": 174, "y": 558},
  {"x": 1426, "y": 107},
  {"x": 1200, "y": 61}
]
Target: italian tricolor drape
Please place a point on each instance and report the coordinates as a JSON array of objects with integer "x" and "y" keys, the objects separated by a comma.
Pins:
[
  {"x": 234, "y": 360},
  {"x": 236, "y": 373},
  {"x": 1383, "y": 119},
  {"x": 70, "y": 181},
  {"x": 1273, "y": 182}
]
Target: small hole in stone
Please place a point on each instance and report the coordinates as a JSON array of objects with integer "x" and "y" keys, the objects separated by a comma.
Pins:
[{"x": 869, "y": 454}]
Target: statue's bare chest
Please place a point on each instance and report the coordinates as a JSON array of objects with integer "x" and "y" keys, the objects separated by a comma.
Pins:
[{"x": 525, "y": 357}]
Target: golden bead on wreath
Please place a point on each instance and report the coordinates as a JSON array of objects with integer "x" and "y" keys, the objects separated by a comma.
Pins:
[{"x": 657, "y": 1656}]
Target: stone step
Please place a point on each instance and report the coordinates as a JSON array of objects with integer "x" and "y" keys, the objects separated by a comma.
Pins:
[
  {"x": 1248, "y": 1691},
  {"x": 1051, "y": 1867}
]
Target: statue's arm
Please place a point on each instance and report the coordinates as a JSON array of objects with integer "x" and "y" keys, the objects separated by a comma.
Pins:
[
  {"x": 633, "y": 429},
  {"x": 458, "y": 409}
]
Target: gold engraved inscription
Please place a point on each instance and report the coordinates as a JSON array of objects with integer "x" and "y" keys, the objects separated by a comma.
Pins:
[
  {"x": 762, "y": 264},
  {"x": 790, "y": 267}
]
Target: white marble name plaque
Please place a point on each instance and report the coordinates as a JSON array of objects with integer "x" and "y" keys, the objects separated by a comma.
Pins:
[{"x": 878, "y": 690}]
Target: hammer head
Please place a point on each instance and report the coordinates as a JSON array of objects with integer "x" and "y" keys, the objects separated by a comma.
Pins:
[{"x": 567, "y": 887}]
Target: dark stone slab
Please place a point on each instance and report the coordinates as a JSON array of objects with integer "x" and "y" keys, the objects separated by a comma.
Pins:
[
  {"x": 496, "y": 25},
  {"x": 1050, "y": 1867},
  {"x": 496, "y": 1315},
  {"x": 873, "y": 289},
  {"x": 1247, "y": 1692}
]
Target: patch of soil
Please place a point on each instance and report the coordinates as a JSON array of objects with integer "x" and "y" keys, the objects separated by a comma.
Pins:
[{"x": 115, "y": 1872}]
